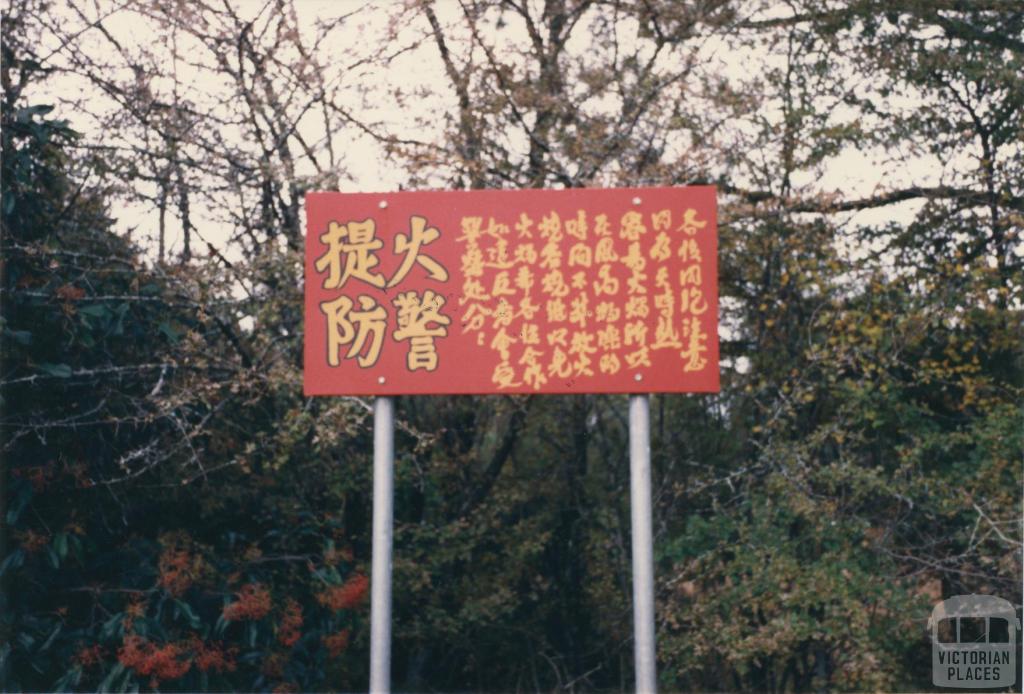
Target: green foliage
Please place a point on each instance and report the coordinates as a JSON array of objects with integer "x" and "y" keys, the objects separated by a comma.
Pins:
[
  {"x": 127, "y": 567},
  {"x": 177, "y": 516}
]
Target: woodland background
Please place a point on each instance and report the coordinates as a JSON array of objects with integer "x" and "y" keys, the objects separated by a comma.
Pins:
[{"x": 177, "y": 516}]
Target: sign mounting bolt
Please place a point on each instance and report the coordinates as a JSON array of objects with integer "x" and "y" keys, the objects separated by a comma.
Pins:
[
  {"x": 637, "y": 201},
  {"x": 383, "y": 204},
  {"x": 638, "y": 377},
  {"x": 380, "y": 380}
]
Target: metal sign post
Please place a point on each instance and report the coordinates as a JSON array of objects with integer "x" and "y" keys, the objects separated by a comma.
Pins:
[
  {"x": 382, "y": 274},
  {"x": 383, "y": 523},
  {"x": 644, "y": 653}
]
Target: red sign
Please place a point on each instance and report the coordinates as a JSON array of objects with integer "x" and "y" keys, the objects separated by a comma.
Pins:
[{"x": 532, "y": 291}]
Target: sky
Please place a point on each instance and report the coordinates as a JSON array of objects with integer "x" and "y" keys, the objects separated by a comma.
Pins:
[{"x": 854, "y": 173}]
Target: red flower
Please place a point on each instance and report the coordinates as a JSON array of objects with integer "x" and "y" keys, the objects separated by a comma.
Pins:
[
  {"x": 32, "y": 541},
  {"x": 159, "y": 662},
  {"x": 288, "y": 632},
  {"x": 69, "y": 292},
  {"x": 345, "y": 596},
  {"x": 207, "y": 657},
  {"x": 337, "y": 643},
  {"x": 273, "y": 665},
  {"x": 89, "y": 656},
  {"x": 178, "y": 569},
  {"x": 253, "y": 603}
]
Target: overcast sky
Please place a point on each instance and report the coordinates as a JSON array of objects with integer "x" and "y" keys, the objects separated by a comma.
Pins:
[{"x": 852, "y": 174}]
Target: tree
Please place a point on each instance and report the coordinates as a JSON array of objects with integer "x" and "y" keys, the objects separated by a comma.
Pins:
[
  {"x": 125, "y": 386},
  {"x": 859, "y": 464}
]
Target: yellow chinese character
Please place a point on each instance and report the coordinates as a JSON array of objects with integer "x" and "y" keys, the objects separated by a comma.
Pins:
[
  {"x": 660, "y": 250},
  {"x": 609, "y": 364},
  {"x": 551, "y": 256},
  {"x": 577, "y": 227},
  {"x": 634, "y": 260},
  {"x": 696, "y": 346},
  {"x": 471, "y": 229},
  {"x": 503, "y": 314},
  {"x": 664, "y": 302},
  {"x": 578, "y": 312},
  {"x": 689, "y": 275},
  {"x": 502, "y": 285},
  {"x": 526, "y": 253},
  {"x": 580, "y": 254},
  {"x": 524, "y": 226},
  {"x": 559, "y": 365},
  {"x": 582, "y": 346},
  {"x": 605, "y": 251},
  {"x": 557, "y": 337},
  {"x": 556, "y": 311},
  {"x": 420, "y": 321},
  {"x": 690, "y": 223},
  {"x": 689, "y": 251},
  {"x": 501, "y": 343},
  {"x": 473, "y": 262},
  {"x": 533, "y": 374},
  {"x": 636, "y": 333},
  {"x": 637, "y": 307},
  {"x": 635, "y": 283},
  {"x": 527, "y": 309},
  {"x": 524, "y": 279},
  {"x": 691, "y": 301},
  {"x": 419, "y": 235},
  {"x": 632, "y": 226},
  {"x": 530, "y": 334},
  {"x": 579, "y": 280},
  {"x": 504, "y": 376},
  {"x": 474, "y": 317},
  {"x": 665, "y": 334},
  {"x": 640, "y": 357},
  {"x": 662, "y": 220},
  {"x": 609, "y": 338},
  {"x": 495, "y": 230},
  {"x": 553, "y": 284},
  {"x": 357, "y": 242},
  {"x": 348, "y": 327},
  {"x": 498, "y": 255},
  {"x": 608, "y": 312},
  {"x": 661, "y": 278},
  {"x": 601, "y": 226},
  {"x": 473, "y": 290},
  {"x": 550, "y": 227},
  {"x": 605, "y": 283}
]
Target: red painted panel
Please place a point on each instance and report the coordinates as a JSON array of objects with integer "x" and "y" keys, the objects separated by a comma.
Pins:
[{"x": 531, "y": 291}]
